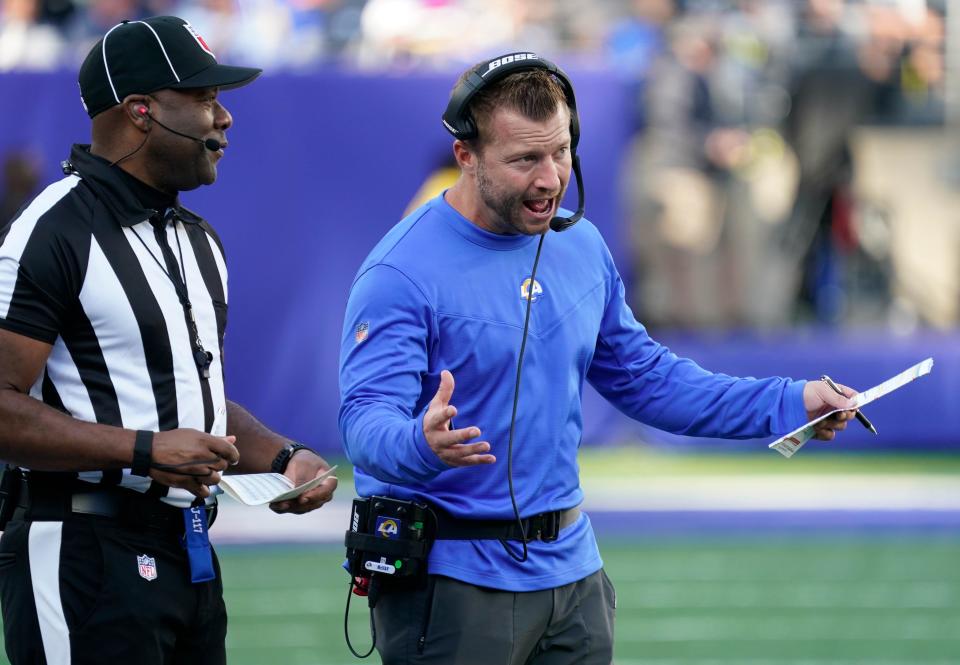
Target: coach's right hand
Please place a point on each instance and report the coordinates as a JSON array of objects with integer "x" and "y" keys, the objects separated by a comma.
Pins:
[
  {"x": 198, "y": 458},
  {"x": 450, "y": 444}
]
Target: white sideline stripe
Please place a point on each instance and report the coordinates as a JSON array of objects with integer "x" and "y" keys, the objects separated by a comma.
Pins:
[
  {"x": 44, "y": 553},
  {"x": 875, "y": 492},
  {"x": 887, "y": 493}
]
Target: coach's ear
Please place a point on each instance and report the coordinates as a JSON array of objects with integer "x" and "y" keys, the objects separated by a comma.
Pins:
[{"x": 466, "y": 155}]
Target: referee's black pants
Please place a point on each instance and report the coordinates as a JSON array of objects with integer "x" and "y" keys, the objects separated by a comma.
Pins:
[{"x": 80, "y": 591}]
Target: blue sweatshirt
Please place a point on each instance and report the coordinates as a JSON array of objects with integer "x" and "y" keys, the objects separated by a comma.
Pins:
[{"x": 440, "y": 293}]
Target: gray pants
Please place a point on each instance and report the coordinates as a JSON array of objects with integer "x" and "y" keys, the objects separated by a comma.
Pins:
[{"x": 453, "y": 623}]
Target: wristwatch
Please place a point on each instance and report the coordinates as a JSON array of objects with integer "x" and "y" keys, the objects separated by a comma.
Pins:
[{"x": 282, "y": 459}]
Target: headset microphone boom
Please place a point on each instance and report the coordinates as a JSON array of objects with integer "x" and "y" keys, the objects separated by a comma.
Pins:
[{"x": 210, "y": 144}]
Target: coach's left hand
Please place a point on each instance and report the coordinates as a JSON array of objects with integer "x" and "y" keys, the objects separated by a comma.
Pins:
[
  {"x": 304, "y": 466},
  {"x": 819, "y": 398}
]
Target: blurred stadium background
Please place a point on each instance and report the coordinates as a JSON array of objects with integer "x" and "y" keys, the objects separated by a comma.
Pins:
[{"x": 778, "y": 183}]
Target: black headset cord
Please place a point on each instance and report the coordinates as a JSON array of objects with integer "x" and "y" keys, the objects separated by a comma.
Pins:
[
  {"x": 346, "y": 623},
  {"x": 132, "y": 152},
  {"x": 513, "y": 417}
]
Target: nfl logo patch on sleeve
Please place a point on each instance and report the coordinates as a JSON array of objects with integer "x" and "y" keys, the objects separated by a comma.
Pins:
[
  {"x": 361, "y": 332},
  {"x": 147, "y": 566}
]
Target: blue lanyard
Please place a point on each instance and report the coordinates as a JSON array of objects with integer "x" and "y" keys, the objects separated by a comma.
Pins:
[{"x": 197, "y": 541}]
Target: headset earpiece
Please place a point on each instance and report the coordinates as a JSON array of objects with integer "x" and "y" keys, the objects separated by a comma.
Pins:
[{"x": 142, "y": 110}]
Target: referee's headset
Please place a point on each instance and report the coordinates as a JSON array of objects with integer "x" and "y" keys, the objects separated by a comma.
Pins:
[
  {"x": 460, "y": 123},
  {"x": 210, "y": 144}
]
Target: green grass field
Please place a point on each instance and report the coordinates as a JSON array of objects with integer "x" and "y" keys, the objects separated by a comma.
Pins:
[
  {"x": 875, "y": 600},
  {"x": 858, "y": 597}
]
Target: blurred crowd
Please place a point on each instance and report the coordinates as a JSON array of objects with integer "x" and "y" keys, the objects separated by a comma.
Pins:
[
  {"x": 628, "y": 34},
  {"x": 746, "y": 203},
  {"x": 742, "y": 187}
]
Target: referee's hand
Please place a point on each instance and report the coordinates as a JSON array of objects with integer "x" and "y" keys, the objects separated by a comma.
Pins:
[
  {"x": 198, "y": 457},
  {"x": 304, "y": 466},
  {"x": 450, "y": 445}
]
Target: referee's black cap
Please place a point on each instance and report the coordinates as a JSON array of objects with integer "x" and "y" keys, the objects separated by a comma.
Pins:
[{"x": 139, "y": 57}]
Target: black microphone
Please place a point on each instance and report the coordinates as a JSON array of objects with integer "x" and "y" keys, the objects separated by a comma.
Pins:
[
  {"x": 563, "y": 223},
  {"x": 210, "y": 144}
]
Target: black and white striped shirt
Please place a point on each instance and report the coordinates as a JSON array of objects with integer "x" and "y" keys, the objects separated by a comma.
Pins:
[{"x": 82, "y": 268}]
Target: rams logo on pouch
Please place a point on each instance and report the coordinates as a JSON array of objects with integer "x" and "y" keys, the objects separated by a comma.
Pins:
[
  {"x": 388, "y": 527},
  {"x": 525, "y": 290}
]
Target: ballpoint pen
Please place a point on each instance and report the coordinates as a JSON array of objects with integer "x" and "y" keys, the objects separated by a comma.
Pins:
[{"x": 862, "y": 418}]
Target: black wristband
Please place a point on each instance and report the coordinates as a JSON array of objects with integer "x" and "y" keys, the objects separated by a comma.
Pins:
[
  {"x": 282, "y": 459},
  {"x": 142, "y": 453}
]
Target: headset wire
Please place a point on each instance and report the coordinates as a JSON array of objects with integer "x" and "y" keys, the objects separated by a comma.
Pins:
[
  {"x": 346, "y": 626},
  {"x": 513, "y": 417}
]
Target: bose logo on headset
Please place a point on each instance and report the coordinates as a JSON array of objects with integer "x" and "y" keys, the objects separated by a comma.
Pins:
[{"x": 507, "y": 59}]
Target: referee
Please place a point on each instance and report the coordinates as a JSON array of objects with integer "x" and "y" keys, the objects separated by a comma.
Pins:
[{"x": 113, "y": 416}]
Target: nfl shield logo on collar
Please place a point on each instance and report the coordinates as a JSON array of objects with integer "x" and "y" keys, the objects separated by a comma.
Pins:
[{"x": 147, "y": 566}]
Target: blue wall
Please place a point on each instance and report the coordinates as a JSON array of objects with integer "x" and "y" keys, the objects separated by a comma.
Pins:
[{"x": 320, "y": 166}]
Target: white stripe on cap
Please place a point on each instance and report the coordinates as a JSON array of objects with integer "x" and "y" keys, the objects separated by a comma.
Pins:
[
  {"x": 106, "y": 66},
  {"x": 157, "y": 37}
]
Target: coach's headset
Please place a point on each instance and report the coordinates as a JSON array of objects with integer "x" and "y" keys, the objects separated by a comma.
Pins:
[{"x": 460, "y": 123}]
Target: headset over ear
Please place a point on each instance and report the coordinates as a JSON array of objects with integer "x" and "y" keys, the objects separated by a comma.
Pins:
[
  {"x": 457, "y": 118},
  {"x": 460, "y": 123}
]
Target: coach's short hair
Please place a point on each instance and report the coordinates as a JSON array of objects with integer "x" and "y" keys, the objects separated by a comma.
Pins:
[{"x": 534, "y": 93}]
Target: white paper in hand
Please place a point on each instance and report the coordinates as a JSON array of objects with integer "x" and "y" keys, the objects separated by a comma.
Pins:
[
  {"x": 792, "y": 442},
  {"x": 256, "y": 489}
]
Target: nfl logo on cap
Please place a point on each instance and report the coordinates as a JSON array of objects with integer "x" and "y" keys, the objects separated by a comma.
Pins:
[
  {"x": 147, "y": 566},
  {"x": 196, "y": 35}
]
